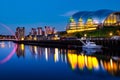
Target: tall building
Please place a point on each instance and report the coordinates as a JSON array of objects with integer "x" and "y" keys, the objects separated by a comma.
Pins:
[
  {"x": 20, "y": 33},
  {"x": 33, "y": 31},
  {"x": 40, "y": 31}
]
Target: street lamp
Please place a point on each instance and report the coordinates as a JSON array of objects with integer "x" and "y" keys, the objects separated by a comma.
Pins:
[
  {"x": 110, "y": 33},
  {"x": 85, "y": 35}
]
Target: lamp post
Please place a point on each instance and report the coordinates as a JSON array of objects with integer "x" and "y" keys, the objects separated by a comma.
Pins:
[{"x": 110, "y": 34}]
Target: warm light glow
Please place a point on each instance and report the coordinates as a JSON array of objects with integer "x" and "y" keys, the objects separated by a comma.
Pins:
[
  {"x": 22, "y": 38},
  {"x": 35, "y": 49},
  {"x": 110, "y": 66},
  {"x": 56, "y": 56},
  {"x": 35, "y": 38},
  {"x": 72, "y": 58},
  {"x": 79, "y": 30},
  {"x": 22, "y": 47},
  {"x": 89, "y": 62},
  {"x": 85, "y": 35},
  {"x": 83, "y": 61},
  {"x": 110, "y": 33},
  {"x": 95, "y": 63}
]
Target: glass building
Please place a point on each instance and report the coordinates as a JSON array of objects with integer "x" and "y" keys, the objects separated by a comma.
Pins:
[{"x": 91, "y": 20}]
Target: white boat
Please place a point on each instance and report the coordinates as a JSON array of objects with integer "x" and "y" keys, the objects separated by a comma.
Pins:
[
  {"x": 91, "y": 50},
  {"x": 91, "y": 45}
]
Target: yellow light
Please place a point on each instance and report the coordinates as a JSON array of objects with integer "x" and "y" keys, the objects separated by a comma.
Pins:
[
  {"x": 80, "y": 30},
  {"x": 35, "y": 38},
  {"x": 110, "y": 33},
  {"x": 89, "y": 64},
  {"x": 81, "y": 62},
  {"x": 56, "y": 55},
  {"x": 95, "y": 62},
  {"x": 72, "y": 58},
  {"x": 22, "y": 47},
  {"x": 22, "y": 38},
  {"x": 85, "y": 35}
]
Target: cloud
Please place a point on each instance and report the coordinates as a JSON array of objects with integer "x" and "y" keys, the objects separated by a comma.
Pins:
[{"x": 70, "y": 13}]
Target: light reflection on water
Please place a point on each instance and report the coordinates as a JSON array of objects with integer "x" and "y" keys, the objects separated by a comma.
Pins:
[{"x": 77, "y": 64}]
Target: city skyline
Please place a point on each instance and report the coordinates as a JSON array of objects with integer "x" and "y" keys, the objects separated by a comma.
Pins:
[{"x": 54, "y": 13}]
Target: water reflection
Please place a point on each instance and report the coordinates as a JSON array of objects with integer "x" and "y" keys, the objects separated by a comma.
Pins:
[
  {"x": 7, "y": 45},
  {"x": 20, "y": 51},
  {"x": 83, "y": 61},
  {"x": 76, "y": 60}
]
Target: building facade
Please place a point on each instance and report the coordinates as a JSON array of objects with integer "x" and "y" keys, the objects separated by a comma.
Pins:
[
  {"x": 91, "y": 20},
  {"x": 20, "y": 33}
]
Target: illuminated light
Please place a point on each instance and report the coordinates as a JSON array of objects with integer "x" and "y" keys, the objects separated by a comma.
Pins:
[
  {"x": 22, "y": 38},
  {"x": 95, "y": 63},
  {"x": 80, "y": 30},
  {"x": 86, "y": 60},
  {"x": 35, "y": 38},
  {"x": 105, "y": 65},
  {"x": 2, "y": 45},
  {"x": 81, "y": 62},
  {"x": 35, "y": 48},
  {"x": 110, "y": 33},
  {"x": 111, "y": 63},
  {"x": 46, "y": 54},
  {"x": 115, "y": 66},
  {"x": 89, "y": 64},
  {"x": 22, "y": 47},
  {"x": 101, "y": 62},
  {"x": 56, "y": 57},
  {"x": 72, "y": 60},
  {"x": 108, "y": 66},
  {"x": 85, "y": 35}
]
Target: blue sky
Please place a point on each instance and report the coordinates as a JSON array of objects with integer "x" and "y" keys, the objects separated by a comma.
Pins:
[{"x": 34, "y": 13}]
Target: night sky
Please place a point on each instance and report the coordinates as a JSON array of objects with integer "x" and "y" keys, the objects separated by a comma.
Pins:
[{"x": 55, "y": 13}]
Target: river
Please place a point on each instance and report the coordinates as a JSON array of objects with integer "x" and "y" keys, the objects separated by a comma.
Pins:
[{"x": 27, "y": 62}]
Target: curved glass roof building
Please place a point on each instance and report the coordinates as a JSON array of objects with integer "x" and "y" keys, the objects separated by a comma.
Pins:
[{"x": 90, "y": 20}]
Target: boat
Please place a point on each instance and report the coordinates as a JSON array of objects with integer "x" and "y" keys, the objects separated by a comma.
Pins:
[
  {"x": 91, "y": 45},
  {"x": 91, "y": 50}
]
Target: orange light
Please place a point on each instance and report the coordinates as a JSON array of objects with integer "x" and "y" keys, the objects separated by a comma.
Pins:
[{"x": 73, "y": 60}]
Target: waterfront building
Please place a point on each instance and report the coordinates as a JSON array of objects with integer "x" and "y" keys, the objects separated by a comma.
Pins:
[
  {"x": 91, "y": 20},
  {"x": 39, "y": 32},
  {"x": 33, "y": 31},
  {"x": 20, "y": 33}
]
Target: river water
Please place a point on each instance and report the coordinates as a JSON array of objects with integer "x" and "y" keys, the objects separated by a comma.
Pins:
[{"x": 27, "y": 62}]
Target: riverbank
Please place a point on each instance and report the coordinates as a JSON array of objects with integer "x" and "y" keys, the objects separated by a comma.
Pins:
[{"x": 105, "y": 43}]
